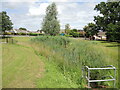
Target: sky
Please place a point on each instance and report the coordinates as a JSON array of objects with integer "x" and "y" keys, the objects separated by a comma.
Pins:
[{"x": 29, "y": 13}]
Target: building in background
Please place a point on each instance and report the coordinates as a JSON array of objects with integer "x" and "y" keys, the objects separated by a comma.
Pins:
[{"x": 101, "y": 36}]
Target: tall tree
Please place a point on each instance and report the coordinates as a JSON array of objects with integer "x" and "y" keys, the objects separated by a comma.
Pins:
[
  {"x": 67, "y": 28},
  {"x": 0, "y": 22},
  {"x": 110, "y": 19},
  {"x": 5, "y": 22},
  {"x": 91, "y": 29},
  {"x": 50, "y": 24}
]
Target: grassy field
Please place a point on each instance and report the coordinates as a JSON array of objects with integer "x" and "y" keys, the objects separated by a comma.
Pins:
[
  {"x": 24, "y": 68},
  {"x": 36, "y": 65}
]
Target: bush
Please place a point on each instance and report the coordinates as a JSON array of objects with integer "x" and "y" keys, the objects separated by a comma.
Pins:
[
  {"x": 74, "y": 34},
  {"x": 35, "y": 34},
  {"x": 7, "y": 33},
  {"x": 68, "y": 35},
  {"x": 22, "y": 34}
]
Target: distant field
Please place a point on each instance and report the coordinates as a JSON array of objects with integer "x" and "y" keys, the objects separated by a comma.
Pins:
[{"x": 34, "y": 64}]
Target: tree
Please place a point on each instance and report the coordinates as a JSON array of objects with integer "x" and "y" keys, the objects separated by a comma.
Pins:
[
  {"x": 91, "y": 29},
  {"x": 113, "y": 0},
  {"x": 74, "y": 33},
  {"x": 110, "y": 19},
  {"x": 67, "y": 28},
  {"x": 5, "y": 22},
  {"x": 0, "y": 22},
  {"x": 22, "y": 28},
  {"x": 75, "y": 30},
  {"x": 50, "y": 24}
]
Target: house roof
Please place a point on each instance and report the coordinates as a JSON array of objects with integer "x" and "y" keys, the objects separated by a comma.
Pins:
[
  {"x": 19, "y": 31},
  {"x": 102, "y": 33}
]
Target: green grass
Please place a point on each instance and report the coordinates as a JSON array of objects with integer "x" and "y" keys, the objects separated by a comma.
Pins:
[
  {"x": 70, "y": 55},
  {"x": 53, "y": 78},
  {"x": 53, "y": 62},
  {"x": 23, "y": 67},
  {"x": 110, "y": 50},
  {"x": 0, "y": 65}
]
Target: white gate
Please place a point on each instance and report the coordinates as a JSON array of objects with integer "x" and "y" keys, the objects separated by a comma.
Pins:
[{"x": 86, "y": 74}]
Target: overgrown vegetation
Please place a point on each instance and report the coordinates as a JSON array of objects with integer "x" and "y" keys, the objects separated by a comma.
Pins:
[{"x": 70, "y": 55}]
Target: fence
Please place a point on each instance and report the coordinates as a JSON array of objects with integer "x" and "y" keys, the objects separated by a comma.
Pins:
[
  {"x": 86, "y": 73},
  {"x": 8, "y": 40}
]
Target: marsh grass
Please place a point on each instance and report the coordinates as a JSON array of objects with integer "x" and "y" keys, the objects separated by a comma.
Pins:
[{"x": 71, "y": 55}]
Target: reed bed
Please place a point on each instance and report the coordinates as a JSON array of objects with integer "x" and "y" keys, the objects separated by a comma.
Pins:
[{"x": 71, "y": 55}]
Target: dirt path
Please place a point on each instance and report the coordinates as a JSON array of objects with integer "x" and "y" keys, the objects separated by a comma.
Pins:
[{"x": 21, "y": 66}]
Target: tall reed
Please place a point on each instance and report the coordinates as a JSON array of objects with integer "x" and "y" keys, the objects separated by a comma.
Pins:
[{"x": 71, "y": 55}]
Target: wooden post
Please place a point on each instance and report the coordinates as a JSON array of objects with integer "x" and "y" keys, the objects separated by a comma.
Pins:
[
  {"x": 6, "y": 40},
  {"x": 12, "y": 41}
]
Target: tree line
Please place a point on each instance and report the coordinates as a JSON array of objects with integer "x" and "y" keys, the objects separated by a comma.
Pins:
[{"x": 108, "y": 21}]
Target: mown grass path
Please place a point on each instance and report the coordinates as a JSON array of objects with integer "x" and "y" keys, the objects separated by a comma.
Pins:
[
  {"x": 24, "y": 67},
  {"x": 21, "y": 66}
]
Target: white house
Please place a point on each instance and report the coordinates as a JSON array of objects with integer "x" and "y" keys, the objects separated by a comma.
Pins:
[
  {"x": 15, "y": 31},
  {"x": 101, "y": 36}
]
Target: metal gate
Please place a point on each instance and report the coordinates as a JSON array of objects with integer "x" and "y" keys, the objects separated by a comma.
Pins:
[{"x": 86, "y": 73}]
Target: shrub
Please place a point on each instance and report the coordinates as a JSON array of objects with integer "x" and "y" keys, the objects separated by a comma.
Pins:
[
  {"x": 68, "y": 35},
  {"x": 22, "y": 34},
  {"x": 7, "y": 33},
  {"x": 35, "y": 34},
  {"x": 74, "y": 33}
]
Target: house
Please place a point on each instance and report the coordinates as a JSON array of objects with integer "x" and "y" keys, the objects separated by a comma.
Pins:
[
  {"x": 40, "y": 31},
  {"x": 17, "y": 31},
  {"x": 101, "y": 36},
  {"x": 82, "y": 32}
]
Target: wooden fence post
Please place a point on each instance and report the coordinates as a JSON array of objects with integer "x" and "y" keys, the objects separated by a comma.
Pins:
[{"x": 6, "y": 40}]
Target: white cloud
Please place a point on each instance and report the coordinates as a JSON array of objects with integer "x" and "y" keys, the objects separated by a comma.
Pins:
[
  {"x": 18, "y": 0},
  {"x": 29, "y": 22},
  {"x": 30, "y": 14},
  {"x": 76, "y": 14},
  {"x": 52, "y": 0},
  {"x": 58, "y": 0},
  {"x": 72, "y": 0},
  {"x": 39, "y": 10},
  {"x": 16, "y": 5}
]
